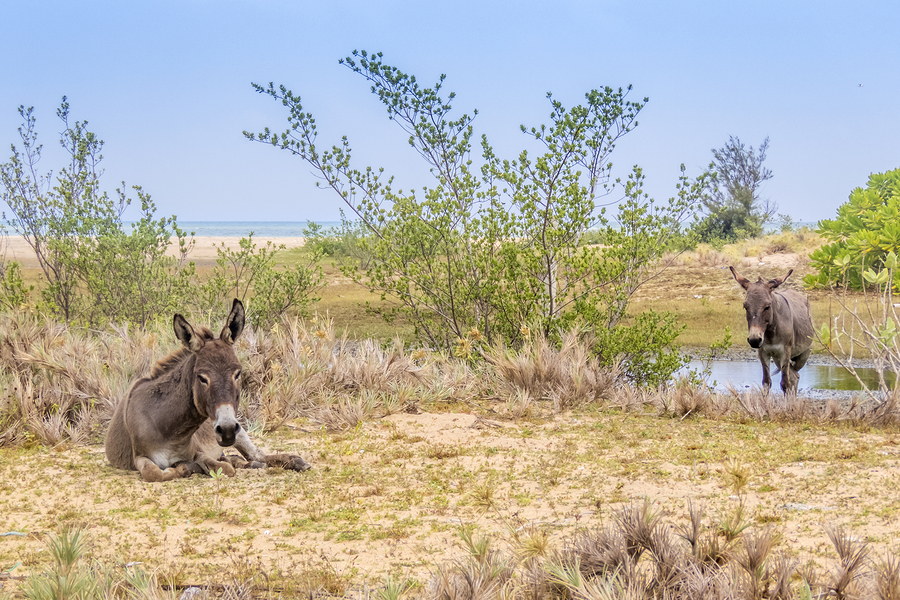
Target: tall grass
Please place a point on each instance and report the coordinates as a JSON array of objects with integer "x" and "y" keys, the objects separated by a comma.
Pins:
[{"x": 60, "y": 384}]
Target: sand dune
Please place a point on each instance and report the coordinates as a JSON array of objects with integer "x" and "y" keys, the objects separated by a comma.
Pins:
[{"x": 15, "y": 248}]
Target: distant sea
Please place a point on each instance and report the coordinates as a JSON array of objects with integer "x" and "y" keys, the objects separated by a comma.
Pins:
[{"x": 277, "y": 229}]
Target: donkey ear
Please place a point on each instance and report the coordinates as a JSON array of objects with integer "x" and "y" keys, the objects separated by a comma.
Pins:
[
  {"x": 234, "y": 324},
  {"x": 745, "y": 283},
  {"x": 774, "y": 283},
  {"x": 186, "y": 333}
]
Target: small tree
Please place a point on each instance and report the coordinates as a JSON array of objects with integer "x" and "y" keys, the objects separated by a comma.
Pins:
[
  {"x": 94, "y": 271},
  {"x": 250, "y": 275},
  {"x": 487, "y": 250},
  {"x": 128, "y": 276},
  {"x": 734, "y": 208}
]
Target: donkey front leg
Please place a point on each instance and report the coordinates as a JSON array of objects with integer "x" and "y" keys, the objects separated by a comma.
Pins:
[
  {"x": 767, "y": 379},
  {"x": 248, "y": 449},
  {"x": 150, "y": 472}
]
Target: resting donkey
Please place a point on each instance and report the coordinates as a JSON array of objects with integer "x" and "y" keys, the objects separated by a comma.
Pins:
[
  {"x": 175, "y": 422},
  {"x": 780, "y": 327}
]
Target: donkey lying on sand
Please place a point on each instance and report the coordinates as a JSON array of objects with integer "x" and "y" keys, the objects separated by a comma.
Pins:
[
  {"x": 780, "y": 327},
  {"x": 175, "y": 422}
]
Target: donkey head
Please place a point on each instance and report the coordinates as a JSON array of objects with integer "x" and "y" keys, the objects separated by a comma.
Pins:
[
  {"x": 217, "y": 371},
  {"x": 758, "y": 305}
]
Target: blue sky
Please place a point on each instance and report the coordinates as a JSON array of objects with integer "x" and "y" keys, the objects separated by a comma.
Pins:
[{"x": 166, "y": 84}]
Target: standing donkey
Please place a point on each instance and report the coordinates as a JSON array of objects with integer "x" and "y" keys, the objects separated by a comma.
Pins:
[
  {"x": 780, "y": 328},
  {"x": 175, "y": 422}
]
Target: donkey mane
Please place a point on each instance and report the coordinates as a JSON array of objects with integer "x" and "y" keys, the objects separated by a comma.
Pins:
[{"x": 171, "y": 361}]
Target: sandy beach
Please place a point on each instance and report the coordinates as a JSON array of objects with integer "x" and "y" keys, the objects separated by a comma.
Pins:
[{"x": 204, "y": 251}]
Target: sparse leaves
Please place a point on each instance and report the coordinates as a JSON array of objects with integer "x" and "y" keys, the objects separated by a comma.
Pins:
[{"x": 734, "y": 208}]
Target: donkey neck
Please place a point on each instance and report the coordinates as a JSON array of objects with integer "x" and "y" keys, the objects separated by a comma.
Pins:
[
  {"x": 782, "y": 320},
  {"x": 177, "y": 411}
]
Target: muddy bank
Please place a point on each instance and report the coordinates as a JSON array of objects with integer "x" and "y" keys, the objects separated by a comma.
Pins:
[{"x": 748, "y": 354}]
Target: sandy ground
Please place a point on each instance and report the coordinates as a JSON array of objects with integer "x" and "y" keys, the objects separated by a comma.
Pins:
[
  {"x": 390, "y": 497},
  {"x": 204, "y": 251}
]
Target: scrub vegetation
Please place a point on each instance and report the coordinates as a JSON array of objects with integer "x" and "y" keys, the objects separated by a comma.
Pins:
[{"x": 480, "y": 376}]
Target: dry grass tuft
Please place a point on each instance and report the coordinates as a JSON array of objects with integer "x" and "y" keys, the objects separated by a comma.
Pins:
[
  {"x": 567, "y": 377},
  {"x": 887, "y": 579},
  {"x": 637, "y": 556},
  {"x": 60, "y": 384}
]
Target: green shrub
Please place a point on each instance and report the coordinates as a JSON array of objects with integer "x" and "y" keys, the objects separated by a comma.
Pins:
[
  {"x": 866, "y": 229},
  {"x": 94, "y": 272},
  {"x": 250, "y": 274},
  {"x": 14, "y": 293}
]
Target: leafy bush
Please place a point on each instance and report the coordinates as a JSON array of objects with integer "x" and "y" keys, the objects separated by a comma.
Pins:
[
  {"x": 14, "y": 293},
  {"x": 348, "y": 243},
  {"x": 866, "y": 230},
  {"x": 127, "y": 277},
  {"x": 320, "y": 240}
]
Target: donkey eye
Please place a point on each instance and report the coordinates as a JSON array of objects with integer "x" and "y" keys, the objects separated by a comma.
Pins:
[
  {"x": 203, "y": 379},
  {"x": 237, "y": 375}
]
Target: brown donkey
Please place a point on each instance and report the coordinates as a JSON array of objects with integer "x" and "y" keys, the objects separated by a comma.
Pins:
[
  {"x": 175, "y": 422},
  {"x": 779, "y": 327}
]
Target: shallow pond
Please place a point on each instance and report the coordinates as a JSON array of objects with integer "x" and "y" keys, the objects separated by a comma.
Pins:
[{"x": 746, "y": 374}]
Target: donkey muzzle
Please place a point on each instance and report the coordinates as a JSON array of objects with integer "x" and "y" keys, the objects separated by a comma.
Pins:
[
  {"x": 755, "y": 336},
  {"x": 227, "y": 426}
]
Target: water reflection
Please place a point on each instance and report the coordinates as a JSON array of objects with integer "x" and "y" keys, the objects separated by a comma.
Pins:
[{"x": 743, "y": 374}]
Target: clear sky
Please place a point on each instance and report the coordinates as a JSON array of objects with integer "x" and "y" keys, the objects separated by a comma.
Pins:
[{"x": 166, "y": 84}]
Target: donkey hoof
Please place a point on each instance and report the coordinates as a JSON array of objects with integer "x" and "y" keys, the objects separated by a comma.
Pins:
[
  {"x": 255, "y": 464},
  {"x": 297, "y": 464}
]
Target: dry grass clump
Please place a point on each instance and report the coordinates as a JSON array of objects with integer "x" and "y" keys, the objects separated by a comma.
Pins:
[
  {"x": 307, "y": 370},
  {"x": 684, "y": 398},
  {"x": 60, "y": 383},
  {"x": 704, "y": 255},
  {"x": 72, "y": 574},
  {"x": 801, "y": 241},
  {"x": 640, "y": 555},
  {"x": 567, "y": 377}
]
